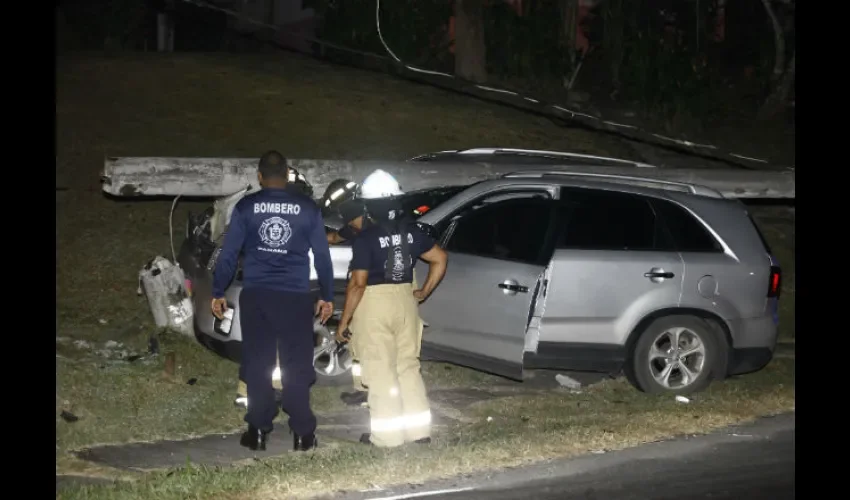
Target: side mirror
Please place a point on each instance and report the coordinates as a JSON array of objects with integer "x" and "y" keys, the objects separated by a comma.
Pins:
[{"x": 429, "y": 230}]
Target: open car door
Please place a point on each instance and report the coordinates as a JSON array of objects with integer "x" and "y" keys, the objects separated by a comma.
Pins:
[{"x": 499, "y": 245}]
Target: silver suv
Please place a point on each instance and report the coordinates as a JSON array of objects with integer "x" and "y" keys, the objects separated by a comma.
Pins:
[{"x": 671, "y": 283}]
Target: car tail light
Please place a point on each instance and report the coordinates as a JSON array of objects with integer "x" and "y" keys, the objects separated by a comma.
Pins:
[{"x": 775, "y": 285}]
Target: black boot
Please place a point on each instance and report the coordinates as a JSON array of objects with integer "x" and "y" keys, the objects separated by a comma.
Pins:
[
  {"x": 254, "y": 439},
  {"x": 304, "y": 443}
]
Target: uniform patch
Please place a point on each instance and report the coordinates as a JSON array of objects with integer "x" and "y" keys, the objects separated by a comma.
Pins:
[{"x": 275, "y": 232}]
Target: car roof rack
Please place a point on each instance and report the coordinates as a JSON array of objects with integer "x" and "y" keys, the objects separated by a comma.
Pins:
[
  {"x": 695, "y": 189},
  {"x": 529, "y": 152}
]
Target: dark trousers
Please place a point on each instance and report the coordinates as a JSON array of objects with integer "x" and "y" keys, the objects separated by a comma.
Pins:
[{"x": 284, "y": 321}]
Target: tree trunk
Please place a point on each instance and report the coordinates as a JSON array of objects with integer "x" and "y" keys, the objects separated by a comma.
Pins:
[
  {"x": 778, "y": 98},
  {"x": 569, "y": 17},
  {"x": 779, "y": 38},
  {"x": 613, "y": 41},
  {"x": 270, "y": 12},
  {"x": 470, "y": 51}
]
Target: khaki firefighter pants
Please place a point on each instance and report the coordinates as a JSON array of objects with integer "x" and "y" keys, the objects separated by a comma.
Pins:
[
  {"x": 387, "y": 335},
  {"x": 356, "y": 378}
]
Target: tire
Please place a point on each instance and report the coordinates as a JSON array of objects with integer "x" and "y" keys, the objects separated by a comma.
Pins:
[{"x": 686, "y": 374}]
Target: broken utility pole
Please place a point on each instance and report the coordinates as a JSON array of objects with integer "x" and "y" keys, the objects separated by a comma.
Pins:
[{"x": 215, "y": 177}]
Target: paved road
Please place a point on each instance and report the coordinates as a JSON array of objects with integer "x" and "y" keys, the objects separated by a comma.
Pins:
[{"x": 753, "y": 462}]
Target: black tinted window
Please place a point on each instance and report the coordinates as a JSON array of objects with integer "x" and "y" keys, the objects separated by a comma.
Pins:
[
  {"x": 512, "y": 229},
  {"x": 607, "y": 220},
  {"x": 689, "y": 234}
]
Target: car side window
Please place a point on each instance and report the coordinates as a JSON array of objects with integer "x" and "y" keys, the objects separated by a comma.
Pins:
[
  {"x": 608, "y": 220},
  {"x": 689, "y": 234},
  {"x": 511, "y": 229}
]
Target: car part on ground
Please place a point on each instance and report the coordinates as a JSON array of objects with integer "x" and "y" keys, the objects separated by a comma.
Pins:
[{"x": 168, "y": 292}]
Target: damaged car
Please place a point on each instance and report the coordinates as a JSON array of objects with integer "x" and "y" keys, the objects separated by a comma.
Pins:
[
  {"x": 670, "y": 283},
  {"x": 197, "y": 257}
]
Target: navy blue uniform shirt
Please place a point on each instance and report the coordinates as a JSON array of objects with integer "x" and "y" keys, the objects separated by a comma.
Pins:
[
  {"x": 275, "y": 229},
  {"x": 369, "y": 251}
]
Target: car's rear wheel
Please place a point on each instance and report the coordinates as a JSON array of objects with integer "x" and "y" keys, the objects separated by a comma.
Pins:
[
  {"x": 675, "y": 354},
  {"x": 331, "y": 360}
]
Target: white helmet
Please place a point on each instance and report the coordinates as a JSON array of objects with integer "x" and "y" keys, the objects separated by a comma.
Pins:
[{"x": 379, "y": 184}]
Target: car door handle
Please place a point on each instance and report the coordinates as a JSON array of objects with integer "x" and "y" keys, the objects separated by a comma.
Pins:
[
  {"x": 657, "y": 274},
  {"x": 513, "y": 287}
]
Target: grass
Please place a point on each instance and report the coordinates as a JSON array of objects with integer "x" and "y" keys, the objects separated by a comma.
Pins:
[
  {"x": 508, "y": 432},
  {"x": 204, "y": 105}
]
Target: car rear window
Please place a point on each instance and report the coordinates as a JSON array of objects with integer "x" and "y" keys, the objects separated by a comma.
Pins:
[
  {"x": 689, "y": 234},
  {"x": 609, "y": 220}
]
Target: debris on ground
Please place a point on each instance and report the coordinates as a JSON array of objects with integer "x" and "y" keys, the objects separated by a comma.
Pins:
[
  {"x": 111, "y": 350},
  {"x": 68, "y": 416},
  {"x": 567, "y": 382},
  {"x": 164, "y": 285},
  {"x": 192, "y": 381},
  {"x": 682, "y": 399},
  {"x": 356, "y": 398},
  {"x": 116, "y": 350}
]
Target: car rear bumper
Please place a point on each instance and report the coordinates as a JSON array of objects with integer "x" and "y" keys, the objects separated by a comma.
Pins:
[
  {"x": 749, "y": 359},
  {"x": 754, "y": 341},
  {"x": 761, "y": 332}
]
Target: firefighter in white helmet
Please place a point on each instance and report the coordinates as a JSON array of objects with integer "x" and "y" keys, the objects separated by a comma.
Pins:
[
  {"x": 338, "y": 192},
  {"x": 381, "y": 315}
]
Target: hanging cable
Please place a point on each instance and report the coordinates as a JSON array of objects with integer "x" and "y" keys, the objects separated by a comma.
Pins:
[
  {"x": 631, "y": 132},
  {"x": 171, "y": 229}
]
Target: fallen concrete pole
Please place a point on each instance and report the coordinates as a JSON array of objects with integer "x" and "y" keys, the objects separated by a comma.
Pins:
[{"x": 214, "y": 177}]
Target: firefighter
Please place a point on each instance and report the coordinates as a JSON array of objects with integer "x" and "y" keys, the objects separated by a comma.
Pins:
[
  {"x": 296, "y": 183},
  {"x": 338, "y": 192},
  {"x": 381, "y": 309},
  {"x": 275, "y": 229}
]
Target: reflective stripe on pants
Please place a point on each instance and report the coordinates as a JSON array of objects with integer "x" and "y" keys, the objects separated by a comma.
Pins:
[
  {"x": 242, "y": 387},
  {"x": 387, "y": 335},
  {"x": 356, "y": 376}
]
